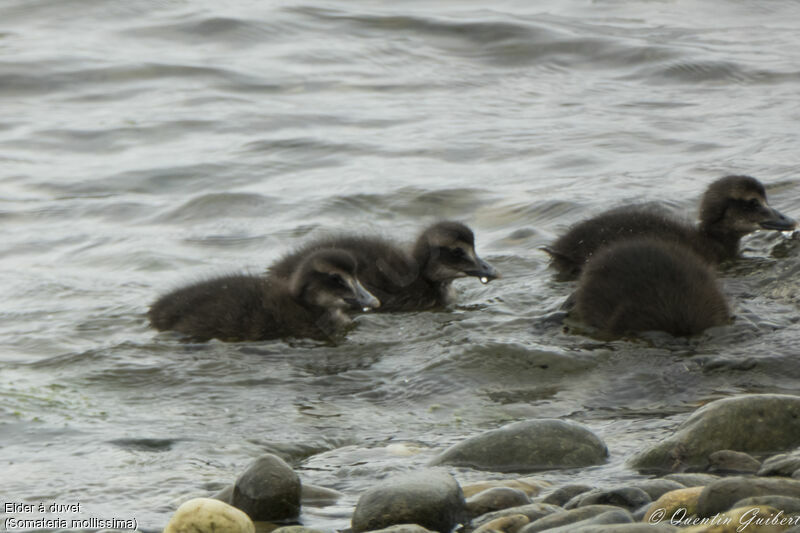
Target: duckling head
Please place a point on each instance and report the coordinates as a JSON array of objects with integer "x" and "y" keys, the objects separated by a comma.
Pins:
[
  {"x": 737, "y": 205},
  {"x": 446, "y": 251},
  {"x": 327, "y": 279}
]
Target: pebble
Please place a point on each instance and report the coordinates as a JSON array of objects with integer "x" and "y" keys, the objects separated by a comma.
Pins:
[
  {"x": 629, "y": 498},
  {"x": 533, "y": 511},
  {"x": 655, "y": 488},
  {"x": 734, "y": 521},
  {"x": 722, "y": 494},
  {"x": 562, "y": 495},
  {"x": 208, "y": 515},
  {"x": 732, "y": 462},
  {"x": 430, "y": 498},
  {"x": 495, "y": 499},
  {"x": 268, "y": 490},
  {"x": 692, "y": 480},
  {"x": 529, "y": 486},
  {"x": 773, "y": 425},
  {"x": 506, "y": 524},
  {"x": 568, "y": 517},
  {"x": 785, "y": 464},
  {"x": 528, "y": 445},
  {"x": 674, "y": 503}
]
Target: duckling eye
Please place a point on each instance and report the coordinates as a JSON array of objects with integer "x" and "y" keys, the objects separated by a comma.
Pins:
[{"x": 338, "y": 280}]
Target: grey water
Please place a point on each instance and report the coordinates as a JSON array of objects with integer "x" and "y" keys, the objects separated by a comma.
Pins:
[{"x": 152, "y": 143}]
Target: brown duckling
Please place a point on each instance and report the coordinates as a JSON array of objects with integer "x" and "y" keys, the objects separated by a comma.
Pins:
[
  {"x": 649, "y": 284},
  {"x": 310, "y": 302},
  {"x": 731, "y": 208},
  {"x": 406, "y": 280}
]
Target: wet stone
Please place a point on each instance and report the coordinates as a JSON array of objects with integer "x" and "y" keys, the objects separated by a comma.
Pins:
[
  {"x": 529, "y": 486},
  {"x": 735, "y": 521},
  {"x": 753, "y": 423},
  {"x": 732, "y": 462},
  {"x": 495, "y": 499},
  {"x": 527, "y": 446},
  {"x": 616, "y": 516},
  {"x": 722, "y": 494},
  {"x": 268, "y": 490},
  {"x": 401, "y": 528},
  {"x": 562, "y": 495},
  {"x": 784, "y": 464},
  {"x": 315, "y": 496},
  {"x": 787, "y": 504},
  {"x": 568, "y": 517},
  {"x": 533, "y": 511},
  {"x": 225, "y": 495},
  {"x": 626, "y": 497},
  {"x": 655, "y": 488},
  {"x": 208, "y": 515},
  {"x": 507, "y": 524},
  {"x": 429, "y": 498},
  {"x": 692, "y": 480},
  {"x": 680, "y": 501},
  {"x": 295, "y": 529}
]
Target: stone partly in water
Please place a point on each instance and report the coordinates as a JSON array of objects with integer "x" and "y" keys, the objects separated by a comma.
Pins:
[
  {"x": 721, "y": 495},
  {"x": 208, "y": 515},
  {"x": 495, "y": 499},
  {"x": 754, "y": 423},
  {"x": 268, "y": 490},
  {"x": 527, "y": 446},
  {"x": 430, "y": 498}
]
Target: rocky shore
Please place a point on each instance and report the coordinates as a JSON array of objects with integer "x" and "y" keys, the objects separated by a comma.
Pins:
[{"x": 732, "y": 466}]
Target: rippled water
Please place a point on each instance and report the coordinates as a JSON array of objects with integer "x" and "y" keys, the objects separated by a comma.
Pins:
[{"x": 147, "y": 144}]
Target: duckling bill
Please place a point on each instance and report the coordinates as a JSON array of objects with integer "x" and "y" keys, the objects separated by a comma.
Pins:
[
  {"x": 310, "y": 303},
  {"x": 648, "y": 284},
  {"x": 416, "y": 278},
  {"x": 731, "y": 208}
]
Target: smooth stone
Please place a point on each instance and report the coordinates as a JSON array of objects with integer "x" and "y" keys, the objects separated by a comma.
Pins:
[
  {"x": 269, "y": 490},
  {"x": 692, "y": 480},
  {"x": 721, "y": 495},
  {"x": 655, "y": 488},
  {"x": 615, "y": 516},
  {"x": 402, "y": 528},
  {"x": 429, "y": 498},
  {"x": 787, "y": 504},
  {"x": 225, "y": 495},
  {"x": 495, "y": 499},
  {"x": 729, "y": 461},
  {"x": 533, "y": 511},
  {"x": 528, "y": 445},
  {"x": 529, "y": 486},
  {"x": 568, "y": 517},
  {"x": 772, "y": 425},
  {"x": 208, "y": 515},
  {"x": 562, "y": 495},
  {"x": 295, "y": 529},
  {"x": 507, "y": 524},
  {"x": 674, "y": 503},
  {"x": 734, "y": 520},
  {"x": 784, "y": 464},
  {"x": 315, "y": 496},
  {"x": 626, "y": 497}
]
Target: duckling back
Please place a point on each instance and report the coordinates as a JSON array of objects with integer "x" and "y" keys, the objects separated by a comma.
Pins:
[
  {"x": 649, "y": 284},
  {"x": 570, "y": 252}
]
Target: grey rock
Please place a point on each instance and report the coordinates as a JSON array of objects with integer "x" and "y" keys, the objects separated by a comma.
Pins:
[
  {"x": 628, "y": 528},
  {"x": 568, "y": 517},
  {"x": 655, "y": 488},
  {"x": 268, "y": 490},
  {"x": 315, "y": 496},
  {"x": 784, "y": 464},
  {"x": 787, "y": 504},
  {"x": 562, "y": 495},
  {"x": 295, "y": 529},
  {"x": 527, "y": 446},
  {"x": 692, "y": 480},
  {"x": 225, "y": 495},
  {"x": 495, "y": 499},
  {"x": 753, "y": 423},
  {"x": 722, "y": 494},
  {"x": 626, "y": 497},
  {"x": 616, "y": 516},
  {"x": 732, "y": 462},
  {"x": 401, "y": 528},
  {"x": 430, "y": 498},
  {"x": 534, "y": 511}
]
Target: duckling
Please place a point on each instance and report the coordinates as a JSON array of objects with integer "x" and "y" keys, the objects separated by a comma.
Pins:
[
  {"x": 649, "y": 284},
  {"x": 731, "y": 208},
  {"x": 240, "y": 307},
  {"x": 402, "y": 280}
]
